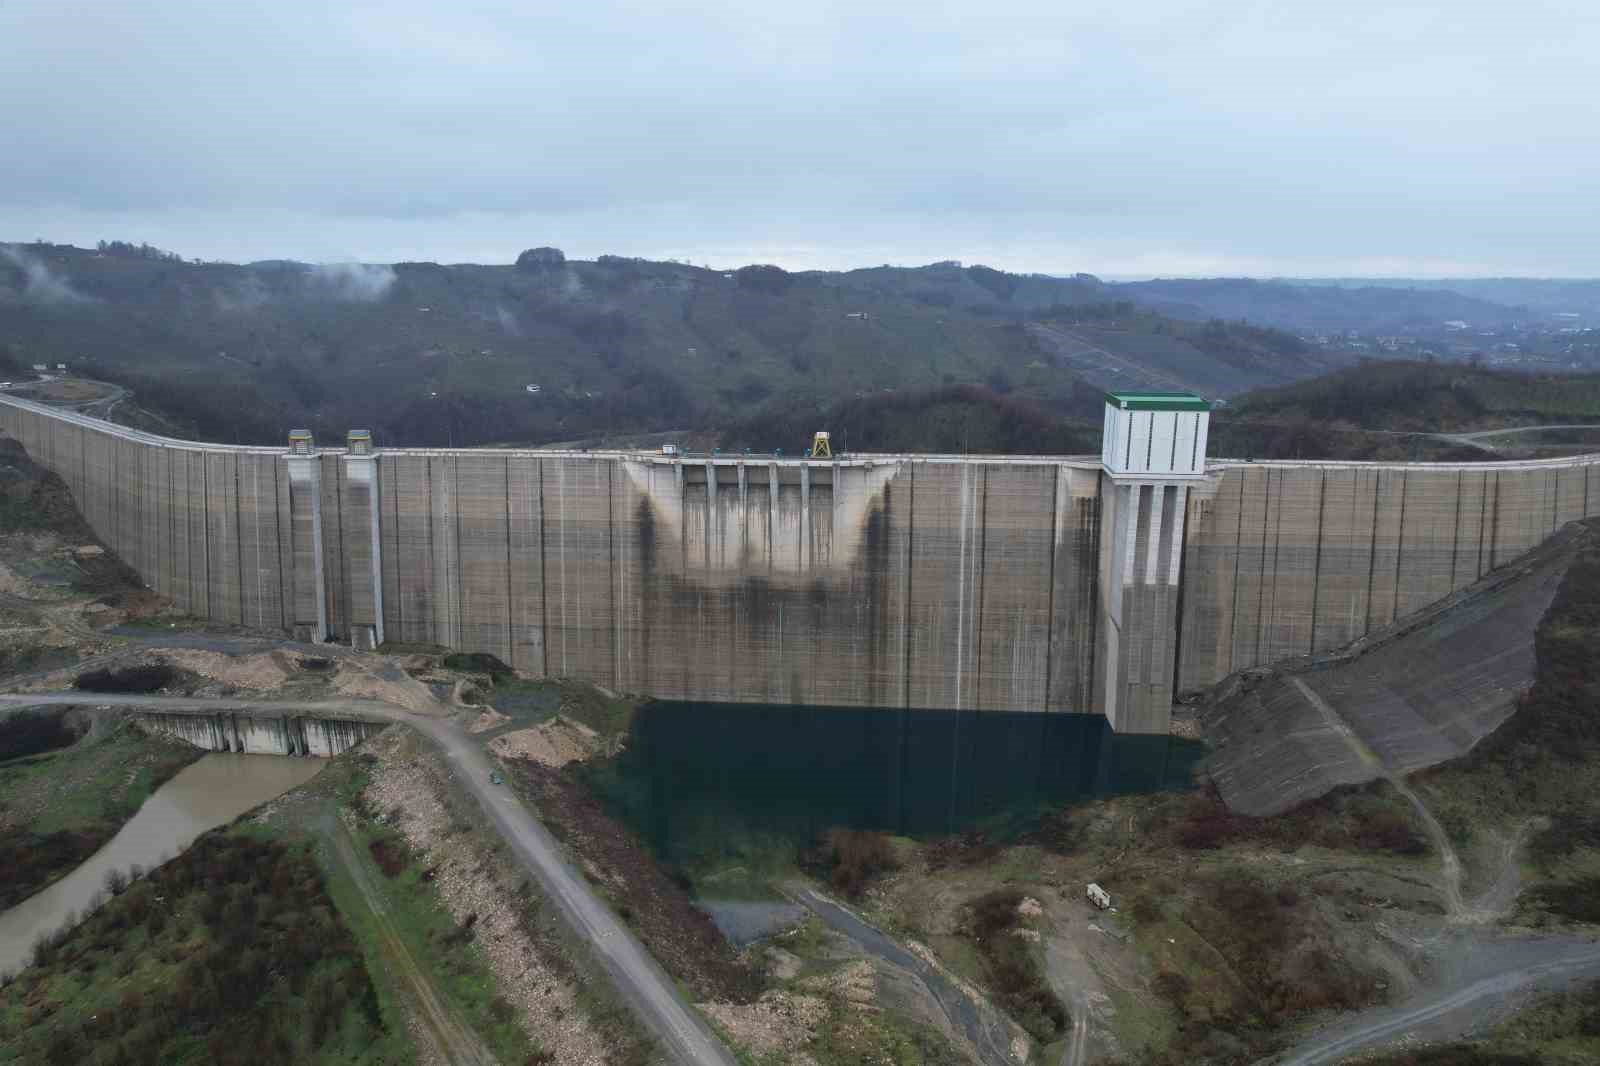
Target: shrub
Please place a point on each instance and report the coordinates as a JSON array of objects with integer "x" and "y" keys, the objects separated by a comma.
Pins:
[
  {"x": 853, "y": 857},
  {"x": 1578, "y": 900},
  {"x": 477, "y": 662},
  {"x": 1014, "y": 972}
]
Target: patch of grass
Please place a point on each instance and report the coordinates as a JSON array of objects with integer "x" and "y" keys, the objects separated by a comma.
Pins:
[
  {"x": 1275, "y": 960},
  {"x": 1577, "y": 900},
  {"x": 850, "y": 1036},
  {"x": 74, "y": 799},
  {"x": 29, "y": 658},
  {"x": 412, "y": 912}
]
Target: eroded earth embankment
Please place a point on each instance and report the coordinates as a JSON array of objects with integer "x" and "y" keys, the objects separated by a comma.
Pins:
[{"x": 1415, "y": 695}]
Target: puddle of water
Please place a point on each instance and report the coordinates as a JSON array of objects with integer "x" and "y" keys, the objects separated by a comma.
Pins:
[
  {"x": 207, "y": 793},
  {"x": 745, "y": 922}
]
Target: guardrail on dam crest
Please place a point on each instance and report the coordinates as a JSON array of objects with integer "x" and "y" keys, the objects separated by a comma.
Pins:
[{"x": 1017, "y": 583}]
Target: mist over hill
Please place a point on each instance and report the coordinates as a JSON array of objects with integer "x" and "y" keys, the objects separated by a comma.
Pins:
[{"x": 425, "y": 353}]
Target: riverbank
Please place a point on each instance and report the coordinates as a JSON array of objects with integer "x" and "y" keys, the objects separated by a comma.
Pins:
[
  {"x": 207, "y": 793},
  {"x": 57, "y": 808}
]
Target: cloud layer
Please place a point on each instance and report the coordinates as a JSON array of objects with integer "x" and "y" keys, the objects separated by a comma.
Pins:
[{"x": 1168, "y": 136}]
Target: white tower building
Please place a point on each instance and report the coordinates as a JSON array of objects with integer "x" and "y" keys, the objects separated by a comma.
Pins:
[{"x": 1153, "y": 450}]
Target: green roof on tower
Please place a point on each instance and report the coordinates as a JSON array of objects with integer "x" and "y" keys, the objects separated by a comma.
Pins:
[{"x": 1157, "y": 401}]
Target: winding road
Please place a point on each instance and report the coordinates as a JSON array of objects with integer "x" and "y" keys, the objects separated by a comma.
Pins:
[{"x": 1527, "y": 964}]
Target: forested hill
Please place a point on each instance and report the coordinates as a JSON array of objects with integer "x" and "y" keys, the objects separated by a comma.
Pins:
[
  {"x": 425, "y": 353},
  {"x": 1325, "y": 307}
]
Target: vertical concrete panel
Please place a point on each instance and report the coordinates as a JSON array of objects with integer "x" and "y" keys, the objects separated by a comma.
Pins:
[
  {"x": 1392, "y": 492},
  {"x": 178, "y": 528},
  {"x": 946, "y": 552},
  {"x": 260, "y": 553},
  {"x": 222, "y": 529},
  {"x": 201, "y": 596},
  {"x": 309, "y": 613},
  {"x": 388, "y": 542},
  {"x": 1344, "y": 561},
  {"x": 335, "y": 574},
  {"x": 1429, "y": 540},
  {"x": 413, "y": 500},
  {"x": 152, "y": 505},
  {"x": 668, "y": 605},
  {"x": 1522, "y": 512},
  {"x": 360, "y": 503},
  {"x": 1469, "y": 529},
  {"x": 1073, "y": 599},
  {"x": 285, "y": 541},
  {"x": 1570, "y": 489},
  {"x": 481, "y": 484},
  {"x": 525, "y": 526},
  {"x": 445, "y": 555},
  {"x": 1207, "y": 571},
  {"x": 1250, "y": 586},
  {"x": 1297, "y": 527},
  {"x": 1019, "y": 512},
  {"x": 577, "y": 539}
]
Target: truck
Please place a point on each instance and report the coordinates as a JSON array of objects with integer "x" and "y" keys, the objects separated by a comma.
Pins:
[{"x": 1099, "y": 897}]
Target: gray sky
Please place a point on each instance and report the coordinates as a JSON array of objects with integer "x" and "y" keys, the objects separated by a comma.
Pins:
[{"x": 1112, "y": 136}]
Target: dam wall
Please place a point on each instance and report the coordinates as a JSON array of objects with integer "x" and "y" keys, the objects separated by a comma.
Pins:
[
  {"x": 1284, "y": 559},
  {"x": 1014, "y": 583}
]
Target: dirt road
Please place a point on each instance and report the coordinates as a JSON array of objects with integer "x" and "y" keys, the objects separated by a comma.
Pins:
[
  {"x": 455, "y": 1042},
  {"x": 1477, "y": 971},
  {"x": 639, "y": 978},
  {"x": 1449, "y": 1011}
]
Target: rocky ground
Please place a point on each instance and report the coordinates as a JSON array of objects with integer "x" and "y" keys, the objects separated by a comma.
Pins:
[{"x": 410, "y": 788}]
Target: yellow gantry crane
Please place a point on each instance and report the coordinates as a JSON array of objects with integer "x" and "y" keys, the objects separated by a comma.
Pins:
[{"x": 819, "y": 446}]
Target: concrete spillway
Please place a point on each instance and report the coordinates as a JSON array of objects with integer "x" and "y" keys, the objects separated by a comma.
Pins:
[
  {"x": 263, "y": 733},
  {"x": 971, "y": 583}
]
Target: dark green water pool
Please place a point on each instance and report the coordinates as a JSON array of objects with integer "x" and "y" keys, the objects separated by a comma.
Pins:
[{"x": 696, "y": 776}]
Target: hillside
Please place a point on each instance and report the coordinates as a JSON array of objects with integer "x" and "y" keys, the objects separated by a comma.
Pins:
[
  {"x": 425, "y": 353},
  {"x": 1294, "y": 305},
  {"x": 1428, "y": 397}
]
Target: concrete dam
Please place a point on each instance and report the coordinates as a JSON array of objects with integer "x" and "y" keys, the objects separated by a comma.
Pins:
[{"x": 1098, "y": 585}]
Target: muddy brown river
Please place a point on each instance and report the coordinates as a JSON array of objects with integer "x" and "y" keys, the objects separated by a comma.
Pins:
[{"x": 205, "y": 794}]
